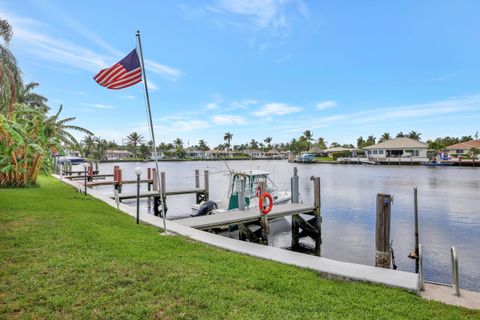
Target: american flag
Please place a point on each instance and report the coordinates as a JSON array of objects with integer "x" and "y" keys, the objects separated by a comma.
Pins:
[{"x": 123, "y": 74}]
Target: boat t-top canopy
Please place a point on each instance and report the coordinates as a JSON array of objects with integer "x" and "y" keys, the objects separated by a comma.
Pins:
[{"x": 252, "y": 173}]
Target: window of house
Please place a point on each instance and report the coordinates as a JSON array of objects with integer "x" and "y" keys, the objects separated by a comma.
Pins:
[
  {"x": 374, "y": 151},
  {"x": 380, "y": 151},
  {"x": 459, "y": 151}
]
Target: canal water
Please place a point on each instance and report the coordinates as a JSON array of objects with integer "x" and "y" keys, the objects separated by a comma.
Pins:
[{"x": 449, "y": 208}]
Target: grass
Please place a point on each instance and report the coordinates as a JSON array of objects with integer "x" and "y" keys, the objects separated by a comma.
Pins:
[
  {"x": 324, "y": 159},
  {"x": 70, "y": 257}
]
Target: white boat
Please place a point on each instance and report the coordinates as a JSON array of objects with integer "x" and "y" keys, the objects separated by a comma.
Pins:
[
  {"x": 253, "y": 179},
  {"x": 368, "y": 161}
]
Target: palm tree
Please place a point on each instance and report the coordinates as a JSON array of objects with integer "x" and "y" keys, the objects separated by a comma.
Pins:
[
  {"x": 9, "y": 71},
  {"x": 202, "y": 145},
  {"x": 178, "y": 143},
  {"x": 414, "y": 135},
  {"x": 134, "y": 139},
  {"x": 385, "y": 137},
  {"x": 360, "y": 142},
  {"x": 370, "y": 141},
  {"x": 88, "y": 143},
  {"x": 228, "y": 137},
  {"x": 100, "y": 148},
  {"x": 400, "y": 134},
  {"x": 474, "y": 152},
  {"x": 308, "y": 137},
  {"x": 57, "y": 129},
  {"x": 268, "y": 141},
  {"x": 32, "y": 99},
  {"x": 322, "y": 143},
  {"x": 254, "y": 144}
]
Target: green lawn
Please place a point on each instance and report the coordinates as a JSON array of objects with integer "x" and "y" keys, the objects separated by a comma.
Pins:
[
  {"x": 324, "y": 159},
  {"x": 64, "y": 256}
]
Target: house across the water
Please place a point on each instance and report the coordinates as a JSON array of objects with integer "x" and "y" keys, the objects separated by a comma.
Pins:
[
  {"x": 463, "y": 148},
  {"x": 117, "y": 154},
  {"x": 399, "y": 149}
]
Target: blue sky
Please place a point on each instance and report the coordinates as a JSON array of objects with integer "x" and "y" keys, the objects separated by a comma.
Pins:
[{"x": 258, "y": 68}]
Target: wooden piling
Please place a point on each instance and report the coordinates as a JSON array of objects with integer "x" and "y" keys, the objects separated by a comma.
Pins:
[
  {"x": 155, "y": 179},
  {"x": 309, "y": 227},
  {"x": 149, "y": 177},
  {"x": 415, "y": 205},
  {"x": 197, "y": 178},
  {"x": 318, "y": 216},
  {"x": 205, "y": 177},
  {"x": 383, "y": 253},
  {"x": 90, "y": 173}
]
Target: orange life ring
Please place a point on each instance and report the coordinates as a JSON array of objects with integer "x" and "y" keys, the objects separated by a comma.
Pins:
[{"x": 265, "y": 210}]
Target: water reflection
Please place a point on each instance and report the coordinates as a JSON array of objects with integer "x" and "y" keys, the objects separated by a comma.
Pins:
[{"x": 448, "y": 205}]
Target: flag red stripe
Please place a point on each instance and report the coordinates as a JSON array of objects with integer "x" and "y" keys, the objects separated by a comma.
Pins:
[
  {"x": 105, "y": 72},
  {"x": 123, "y": 74},
  {"x": 127, "y": 84},
  {"x": 135, "y": 75},
  {"x": 113, "y": 74}
]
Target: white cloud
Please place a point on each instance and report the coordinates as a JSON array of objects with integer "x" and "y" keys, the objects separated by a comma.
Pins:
[
  {"x": 215, "y": 104},
  {"x": 152, "y": 86},
  {"x": 268, "y": 22},
  {"x": 101, "y": 106},
  {"x": 322, "y": 105},
  {"x": 33, "y": 34},
  {"x": 389, "y": 115},
  {"x": 278, "y": 109},
  {"x": 167, "y": 72},
  {"x": 224, "y": 119},
  {"x": 211, "y": 106}
]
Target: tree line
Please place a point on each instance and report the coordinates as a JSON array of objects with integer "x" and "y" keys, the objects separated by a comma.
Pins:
[{"x": 141, "y": 148}]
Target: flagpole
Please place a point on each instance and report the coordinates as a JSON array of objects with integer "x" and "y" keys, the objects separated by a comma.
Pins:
[{"x": 154, "y": 146}]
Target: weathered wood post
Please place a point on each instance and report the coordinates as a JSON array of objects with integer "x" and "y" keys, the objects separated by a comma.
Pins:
[
  {"x": 415, "y": 205},
  {"x": 149, "y": 178},
  {"x": 264, "y": 218},
  {"x": 295, "y": 199},
  {"x": 155, "y": 179},
  {"x": 90, "y": 173},
  {"x": 241, "y": 193},
  {"x": 294, "y": 186},
  {"x": 318, "y": 216},
  {"x": 198, "y": 196},
  {"x": 96, "y": 166},
  {"x": 383, "y": 253},
  {"x": 206, "y": 186},
  {"x": 119, "y": 180}
]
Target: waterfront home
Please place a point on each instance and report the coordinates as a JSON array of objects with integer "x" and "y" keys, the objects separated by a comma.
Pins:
[
  {"x": 255, "y": 154},
  {"x": 331, "y": 152},
  {"x": 463, "y": 148},
  {"x": 117, "y": 154},
  {"x": 316, "y": 150},
  {"x": 219, "y": 154},
  {"x": 194, "y": 153},
  {"x": 398, "y": 148}
]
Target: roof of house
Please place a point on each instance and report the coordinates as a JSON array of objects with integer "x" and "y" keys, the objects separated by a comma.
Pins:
[
  {"x": 399, "y": 143},
  {"x": 465, "y": 145},
  {"x": 117, "y": 151},
  {"x": 315, "y": 149},
  {"x": 339, "y": 149}
]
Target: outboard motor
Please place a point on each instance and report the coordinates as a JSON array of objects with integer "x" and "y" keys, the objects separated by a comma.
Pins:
[{"x": 205, "y": 209}]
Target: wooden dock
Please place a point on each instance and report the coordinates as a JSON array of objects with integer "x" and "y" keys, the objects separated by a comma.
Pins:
[
  {"x": 83, "y": 176},
  {"x": 245, "y": 216},
  {"x": 149, "y": 194},
  {"x": 110, "y": 182}
]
